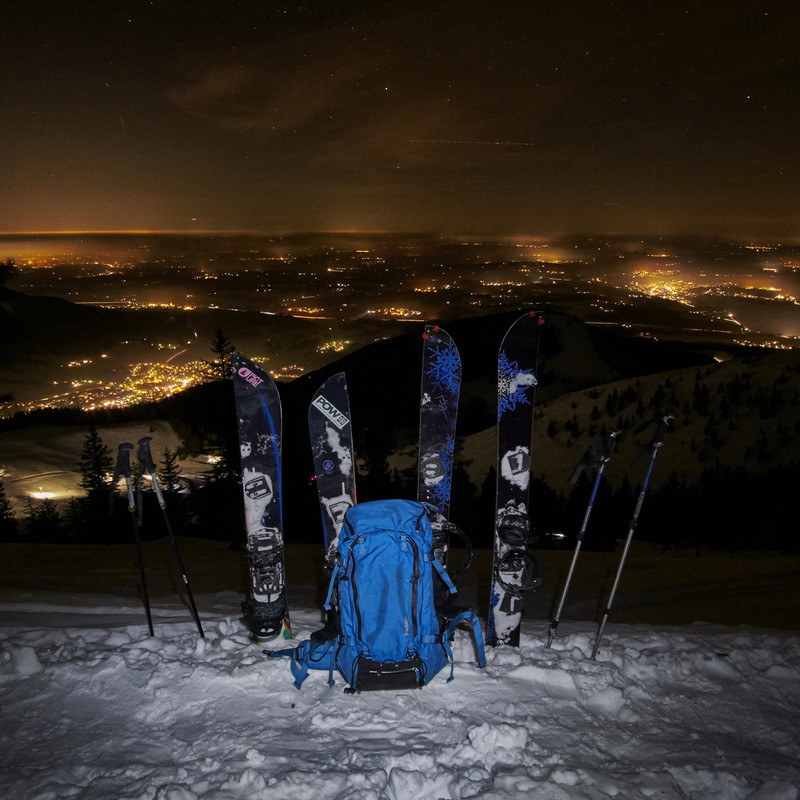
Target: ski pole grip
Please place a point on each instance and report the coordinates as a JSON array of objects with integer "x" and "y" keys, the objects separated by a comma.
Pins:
[
  {"x": 123, "y": 468},
  {"x": 145, "y": 456}
]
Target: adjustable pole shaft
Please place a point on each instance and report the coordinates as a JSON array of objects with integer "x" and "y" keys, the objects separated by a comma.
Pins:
[
  {"x": 146, "y": 459},
  {"x": 557, "y": 617},
  {"x": 123, "y": 469},
  {"x": 659, "y": 440}
]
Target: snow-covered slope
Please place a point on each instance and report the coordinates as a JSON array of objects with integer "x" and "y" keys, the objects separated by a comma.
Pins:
[{"x": 93, "y": 708}]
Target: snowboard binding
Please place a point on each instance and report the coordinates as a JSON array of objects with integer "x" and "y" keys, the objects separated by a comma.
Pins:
[
  {"x": 517, "y": 570},
  {"x": 443, "y": 530},
  {"x": 266, "y": 610},
  {"x": 264, "y": 620},
  {"x": 515, "y": 530},
  {"x": 265, "y": 559}
]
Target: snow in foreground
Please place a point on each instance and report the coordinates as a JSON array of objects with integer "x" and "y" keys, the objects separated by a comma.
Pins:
[{"x": 92, "y": 707}]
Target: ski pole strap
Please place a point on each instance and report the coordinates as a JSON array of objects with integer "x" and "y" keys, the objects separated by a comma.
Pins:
[
  {"x": 123, "y": 468},
  {"x": 145, "y": 456}
]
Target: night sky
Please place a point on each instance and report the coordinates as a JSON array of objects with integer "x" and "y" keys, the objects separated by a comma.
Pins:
[{"x": 494, "y": 117}]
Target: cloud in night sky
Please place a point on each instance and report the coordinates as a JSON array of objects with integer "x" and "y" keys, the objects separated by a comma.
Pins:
[{"x": 473, "y": 116}]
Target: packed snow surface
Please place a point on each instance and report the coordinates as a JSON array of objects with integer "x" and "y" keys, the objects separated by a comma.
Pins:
[{"x": 95, "y": 708}]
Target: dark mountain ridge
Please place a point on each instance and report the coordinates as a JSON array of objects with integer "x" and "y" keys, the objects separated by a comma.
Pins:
[
  {"x": 34, "y": 324},
  {"x": 590, "y": 378}
]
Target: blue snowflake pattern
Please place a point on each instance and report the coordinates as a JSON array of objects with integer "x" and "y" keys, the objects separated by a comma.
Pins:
[
  {"x": 445, "y": 369},
  {"x": 507, "y": 373},
  {"x": 439, "y": 493}
]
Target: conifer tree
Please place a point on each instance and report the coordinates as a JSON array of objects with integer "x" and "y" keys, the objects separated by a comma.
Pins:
[
  {"x": 96, "y": 464},
  {"x": 221, "y": 347},
  {"x": 8, "y": 522},
  {"x": 168, "y": 473},
  {"x": 42, "y": 518}
]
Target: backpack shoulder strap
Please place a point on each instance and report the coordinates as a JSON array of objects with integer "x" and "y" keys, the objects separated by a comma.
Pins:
[{"x": 464, "y": 616}]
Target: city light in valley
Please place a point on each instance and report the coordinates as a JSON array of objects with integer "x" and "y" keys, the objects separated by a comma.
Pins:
[{"x": 299, "y": 302}]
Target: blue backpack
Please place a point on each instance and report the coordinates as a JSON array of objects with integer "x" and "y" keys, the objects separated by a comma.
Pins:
[{"x": 388, "y": 633}]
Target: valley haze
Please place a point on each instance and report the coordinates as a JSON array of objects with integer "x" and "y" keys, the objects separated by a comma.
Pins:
[
  {"x": 297, "y": 302},
  {"x": 636, "y": 326}
]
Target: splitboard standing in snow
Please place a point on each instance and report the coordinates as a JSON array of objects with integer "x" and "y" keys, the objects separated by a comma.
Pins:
[
  {"x": 331, "y": 437},
  {"x": 441, "y": 384},
  {"x": 258, "y": 411},
  {"x": 514, "y": 569}
]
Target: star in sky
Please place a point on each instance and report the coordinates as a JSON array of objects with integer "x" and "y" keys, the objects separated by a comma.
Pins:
[{"x": 520, "y": 117}]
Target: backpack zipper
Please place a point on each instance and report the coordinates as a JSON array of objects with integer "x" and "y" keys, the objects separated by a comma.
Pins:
[
  {"x": 417, "y": 574},
  {"x": 414, "y": 586},
  {"x": 354, "y": 585}
]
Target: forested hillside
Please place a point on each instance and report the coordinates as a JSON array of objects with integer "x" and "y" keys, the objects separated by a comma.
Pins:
[{"x": 723, "y": 478}]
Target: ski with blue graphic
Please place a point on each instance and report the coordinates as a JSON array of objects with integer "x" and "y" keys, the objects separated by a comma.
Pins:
[
  {"x": 514, "y": 569},
  {"x": 440, "y": 389},
  {"x": 331, "y": 437},
  {"x": 258, "y": 411}
]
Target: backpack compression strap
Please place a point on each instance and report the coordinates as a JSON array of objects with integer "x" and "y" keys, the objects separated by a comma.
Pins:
[{"x": 441, "y": 570}]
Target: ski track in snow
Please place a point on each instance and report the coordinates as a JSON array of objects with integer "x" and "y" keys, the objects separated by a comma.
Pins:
[{"x": 93, "y": 708}]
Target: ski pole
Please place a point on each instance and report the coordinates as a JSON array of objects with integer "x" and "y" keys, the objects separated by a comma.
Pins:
[
  {"x": 661, "y": 432},
  {"x": 605, "y": 457},
  {"x": 146, "y": 459},
  {"x": 123, "y": 470}
]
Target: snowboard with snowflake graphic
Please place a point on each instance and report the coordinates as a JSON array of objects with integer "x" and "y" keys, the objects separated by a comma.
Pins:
[
  {"x": 258, "y": 412},
  {"x": 331, "y": 437},
  {"x": 440, "y": 388},
  {"x": 441, "y": 384},
  {"x": 514, "y": 569}
]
